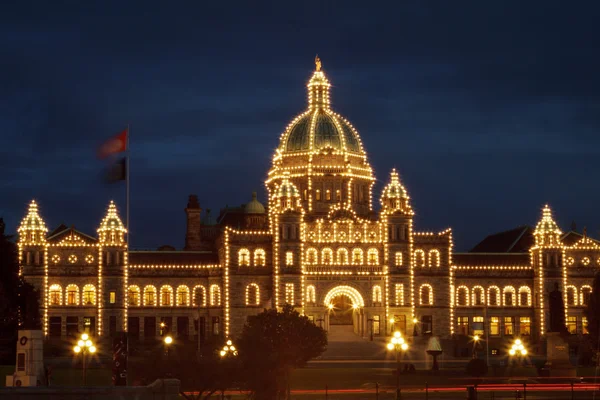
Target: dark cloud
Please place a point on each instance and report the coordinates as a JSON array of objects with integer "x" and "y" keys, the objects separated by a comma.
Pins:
[{"x": 489, "y": 109}]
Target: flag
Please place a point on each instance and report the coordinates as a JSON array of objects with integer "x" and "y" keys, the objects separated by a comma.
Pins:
[
  {"x": 114, "y": 145},
  {"x": 117, "y": 171}
]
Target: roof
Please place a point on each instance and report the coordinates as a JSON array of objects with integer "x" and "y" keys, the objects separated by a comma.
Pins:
[
  {"x": 517, "y": 240},
  {"x": 572, "y": 237},
  {"x": 327, "y": 130},
  {"x": 489, "y": 259},
  {"x": 137, "y": 257},
  {"x": 62, "y": 232}
]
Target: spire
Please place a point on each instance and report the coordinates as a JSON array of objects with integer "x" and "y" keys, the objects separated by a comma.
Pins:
[
  {"x": 394, "y": 196},
  {"x": 112, "y": 231},
  {"x": 318, "y": 89},
  {"x": 32, "y": 229},
  {"x": 547, "y": 232}
]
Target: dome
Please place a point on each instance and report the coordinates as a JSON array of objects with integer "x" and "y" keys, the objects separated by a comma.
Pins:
[
  {"x": 319, "y": 127},
  {"x": 287, "y": 189},
  {"x": 33, "y": 221},
  {"x": 254, "y": 206}
]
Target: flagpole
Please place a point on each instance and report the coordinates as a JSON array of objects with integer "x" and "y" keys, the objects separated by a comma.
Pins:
[{"x": 127, "y": 190}]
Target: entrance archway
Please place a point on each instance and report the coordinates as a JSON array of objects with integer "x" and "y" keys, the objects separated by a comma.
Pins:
[{"x": 345, "y": 316}]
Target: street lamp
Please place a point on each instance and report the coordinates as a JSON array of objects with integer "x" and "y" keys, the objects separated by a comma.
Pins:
[
  {"x": 415, "y": 321},
  {"x": 228, "y": 350},
  {"x": 398, "y": 344},
  {"x": 84, "y": 346},
  {"x": 168, "y": 340},
  {"x": 518, "y": 349},
  {"x": 476, "y": 339}
]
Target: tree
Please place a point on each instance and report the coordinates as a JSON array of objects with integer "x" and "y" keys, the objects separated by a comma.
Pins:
[
  {"x": 19, "y": 300},
  {"x": 592, "y": 311},
  {"x": 272, "y": 345}
]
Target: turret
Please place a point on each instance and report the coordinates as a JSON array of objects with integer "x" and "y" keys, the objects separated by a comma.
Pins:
[
  {"x": 254, "y": 214},
  {"x": 32, "y": 239},
  {"x": 396, "y": 210},
  {"x": 193, "y": 239}
]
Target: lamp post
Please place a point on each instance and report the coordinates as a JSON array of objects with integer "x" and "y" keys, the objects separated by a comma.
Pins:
[
  {"x": 228, "y": 350},
  {"x": 168, "y": 340},
  {"x": 84, "y": 346},
  {"x": 415, "y": 332},
  {"x": 475, "y": 343},
  {"x": 398, "y": 344},
  {"x": 517, "y": 350},
  {"x": 370, "y": 320}
]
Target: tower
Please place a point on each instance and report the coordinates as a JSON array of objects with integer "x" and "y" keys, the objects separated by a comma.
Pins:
[
  {"x": 112, "y": 273},
  {"x": 547, "y": 260},
  {"x": 193, "y": 238}
]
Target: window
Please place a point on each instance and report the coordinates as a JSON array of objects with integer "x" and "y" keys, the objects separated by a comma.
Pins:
[
  {"x": 342, "y": 256},
  {"x": 252, "y": 295},
  {"x": 572, "y": 324},
  {"x": 215, "y": 326},
  {"x": 462, "y": 325},
  {"x": 525, "y": 326},
  {"x": 305, "y": 194},
  {"x": 89, "y": 325},
  {"x": 112, "y": 297},
  {"x": 398, "y": 259},
  {"x": 586, "y": 292},
  {"x": 289, "y": 258},
  {"x": 55, "y": 295},
  {"x": 289, "y": 293},
  {"x": 376, "y": 325},
  {"x": 427, "y": 324},
  {"x": 328, "y": 195},
  {"x": 399, "y": 324},
  {"x": 215, "y": 295},
  {"x": 72, "y": 295},
  {"x": 494, "y": 326},
  {"x": 311, "y": 256},
  {"x": 259, "y": 257},
  {"x": 584, "y": 325},
  {"x": 377, "y": 294},
  {"x": 244, "y": 258},
  {"x": 72, "y": 259},
  {"x": 419, "y": 258},
  {"x": 373, "y": 256},
  {"x": 166, "y": 292},
  {"x": 317, "y": 194},
  {"x": 89, "y": 295},
  {"x": 327, "y": 256},
  {"x": 462, "y": 296},
  {"x": 72, "y": 326},
  {"x": 133, "y": 296},
  {"x": 524, "y": 296},
  {"x": 55, "y": 326},
  {"x": 509, "y": 326},
  {"x": 183, "y": 295},
  {"x": 434, "y": 258},
  {"x": 494, "y": 296},
  {"x": 477, "y": 328},
  {"x": 571, "y": 296},
  {"x": 149, "y": 296},
  {"x": 509, "y": 293},
  {"x": 311, "y": 296},
  {"x": 426, "y": 295},
  {"x": 399, "y": 294},
  {"x": 357, "y": 256},
  {"x": 477, "y": 296},
  {"x": 199, "y": 299},
  {"x": 338, "y": 195}
]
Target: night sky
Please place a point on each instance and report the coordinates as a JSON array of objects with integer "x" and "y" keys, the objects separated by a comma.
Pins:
[{"x": 488, "y": 109}]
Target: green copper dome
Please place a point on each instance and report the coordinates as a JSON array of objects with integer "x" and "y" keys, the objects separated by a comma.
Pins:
[{"x": 329, "y": 130}]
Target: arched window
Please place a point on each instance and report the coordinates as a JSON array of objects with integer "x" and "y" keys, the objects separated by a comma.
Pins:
[
  {"x": 524, "y": 296},
  {"x": 311, "y": 256},
  {"x": 478, "y": 295},
  {"x": 462, "y": 296},
  {"x": 585, "y": 294},
  {"x": 509, "y": 296},
  {"x": 571, "y": 295},
  {"x": 377, "y": 294},
  {"x": 149, "y": 295},
  {"x": 434, "y": 258},
  {"x": 252, "y": 295},
  {"x": 166, "y": 295},
  {"x": 244, "y": 258},
  {"x": 55, "y": 295},
  {"x": 311, "y": 296},
  {"x": 494, "y": 296},
  {"x": 183, "y": 296},
  {"x": 342, "y": 256},
  {"x": 199, "y": 299},
  {"x": 215, "y": 295},
  {"x": 259, "y": 257},
  {"x": 419, "y": 258},
  {"x": 398, "y": 259},
  {"x": 133, "y": 296},
  {"x": 89, "y": 295},
  {"x": 289, "y": 258},
  {"x": 72, "y": 295},
  {"x": 426, "y": 295},
  {"x": 399, "y": 294},
  {"x": 357, "y": 256},
  {"x": 373, "y": 256},
  {"x": 326, "y": 256}
]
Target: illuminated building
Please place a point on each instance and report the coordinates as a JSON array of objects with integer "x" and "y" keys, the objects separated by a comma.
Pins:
[{"x": 322, "y": 244}]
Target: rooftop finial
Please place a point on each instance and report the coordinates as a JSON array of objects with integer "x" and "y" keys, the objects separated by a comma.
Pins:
[{"x": 317, "y": 63}]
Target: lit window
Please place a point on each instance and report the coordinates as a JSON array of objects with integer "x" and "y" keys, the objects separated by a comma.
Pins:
[
  {"x": 149, "y": 296},
  {"x": 311, "y": 256},
  {"x": 199, "y": 296},
  {"x": 426, "y": 295},
  {"x": 252, "y": 295},
  {"x": 584, "y": 325},
  {"x": 509, "y": 294},
  {"x": 399, "y": 294},
  {"x": 317, "y": 194},
  {"x": 419, "y": 258},
  {"x": 494, "y": 326},
  {"x": 434, "y": 258},
  {"x": 328, "y": 195},
  {"x": 494, "y": 296},
  {"x": 133, "y": 296},
  {"x": 55, "y": 295},
  {"x": 244, "y": 257},
  {"x": 477, "y": 328},
  {"x": 571, "y": 296},
  {"x": 477, "y": 296},
  {"x": 289, "y": 293},
  {"x": 462, "y": 325},
  {"x": 112, "y": 297},
  {"x": 525, "y": 326},
  {"x": 183, "y": 295},
  {"x": 524, "y": 296},
  {"x": 289, "y": 258},
  {"x": 338, "y": 195},
  {"x": 215, "y": 295},
  {"x": 72, "y": 295},
  {"x": 311, "y": 296},
  {"x": 259, "y": 257},
  {"x": 357, "y": 256},
  {"x": 509, "y": 326},
  {"x": 398, "y": 259},
  {"x": 377, "y": 294},
  {"x": 89, "y": 295},
  {"x": 373, "y": 256},
  {"x": 342, "y": 256},
  {"x": 327, "y": 256},
  {"x": 572, "y": 324},
  {"x": 462, "y": 296},
  {"x": 166, "y": 293},
  {"x": 586, "y": 293}
]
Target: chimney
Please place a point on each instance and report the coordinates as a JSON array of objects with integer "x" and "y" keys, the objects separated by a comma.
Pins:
[{"x": 192, "y": 235}]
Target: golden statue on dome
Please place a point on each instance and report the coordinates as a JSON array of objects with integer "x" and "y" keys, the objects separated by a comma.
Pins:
[{"x": 317, "y": 62}]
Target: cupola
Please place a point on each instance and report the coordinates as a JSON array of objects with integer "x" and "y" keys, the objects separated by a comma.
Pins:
[
  {"x": 547, "y": 232},
  {"x": 112, "y": 231},
  {"x": 32, "y": 229},
  {"x": 394, "y": 197}
]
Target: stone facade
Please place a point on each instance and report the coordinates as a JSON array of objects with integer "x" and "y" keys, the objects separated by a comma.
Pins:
[{"x": 321, "y": 245}]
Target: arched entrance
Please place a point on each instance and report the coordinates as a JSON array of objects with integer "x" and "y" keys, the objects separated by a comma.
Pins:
[{"x": 345, "y": 313}]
